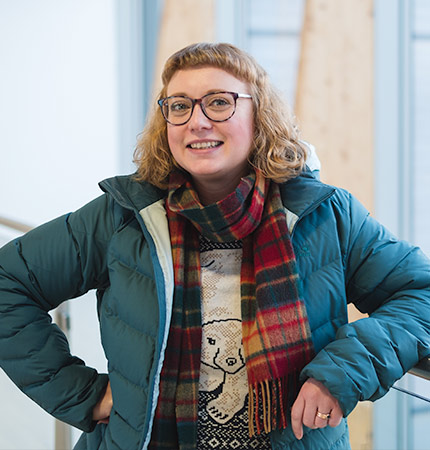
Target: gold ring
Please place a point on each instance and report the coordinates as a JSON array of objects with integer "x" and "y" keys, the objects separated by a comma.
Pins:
[{"x": 323, "y": 416}]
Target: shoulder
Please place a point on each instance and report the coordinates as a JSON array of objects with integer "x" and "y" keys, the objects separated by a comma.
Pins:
[{"x": 305, "y": 194}]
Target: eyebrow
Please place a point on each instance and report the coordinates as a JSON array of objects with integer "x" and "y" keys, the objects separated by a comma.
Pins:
[{"x": 211, "y": 91}]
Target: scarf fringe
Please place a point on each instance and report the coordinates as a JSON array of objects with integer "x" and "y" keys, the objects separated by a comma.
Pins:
[{"x": 267, "y": 402}]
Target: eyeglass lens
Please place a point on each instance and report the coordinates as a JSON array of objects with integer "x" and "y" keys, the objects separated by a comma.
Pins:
[{"x": 218, "y": 107}]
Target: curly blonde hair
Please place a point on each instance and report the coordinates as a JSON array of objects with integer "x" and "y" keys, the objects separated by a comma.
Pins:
[{"x": 277, "y": 151}]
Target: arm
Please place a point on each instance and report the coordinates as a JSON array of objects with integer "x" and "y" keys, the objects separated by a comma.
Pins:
[
  {"x": 60, "y": 260},
  {"x": 389, "y": 280}
]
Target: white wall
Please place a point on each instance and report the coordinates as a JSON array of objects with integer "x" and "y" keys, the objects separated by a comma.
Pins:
[
  {"x": 58, "y": 138},
  {"x": 58, "y": 90}
]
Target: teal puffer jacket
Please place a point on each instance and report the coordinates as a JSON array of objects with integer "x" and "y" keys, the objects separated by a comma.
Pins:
[{"x": 119, "y": 245}]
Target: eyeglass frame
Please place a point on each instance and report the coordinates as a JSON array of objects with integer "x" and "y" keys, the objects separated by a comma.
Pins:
[{"x": 198, "y": 101}]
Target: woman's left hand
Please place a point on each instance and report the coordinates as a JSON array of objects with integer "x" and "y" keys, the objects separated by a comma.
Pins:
[
  {"x": 314, "y": 398},
  {"x": 101, "y": 411}
]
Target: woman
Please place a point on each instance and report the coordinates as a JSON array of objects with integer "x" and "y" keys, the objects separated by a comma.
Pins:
[{"x": 223, "y": 271}]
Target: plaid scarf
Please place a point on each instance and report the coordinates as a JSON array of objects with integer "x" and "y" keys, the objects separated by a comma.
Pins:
[{"x": 276, "y": 336}]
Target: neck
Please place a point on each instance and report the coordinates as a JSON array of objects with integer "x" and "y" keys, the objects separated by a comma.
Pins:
[
  {"x": 212, "y": 189},
  {"x": 212, "y": 192}
]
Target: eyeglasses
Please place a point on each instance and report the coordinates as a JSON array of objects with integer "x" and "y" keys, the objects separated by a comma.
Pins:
[{"x": 218, "y": 107}]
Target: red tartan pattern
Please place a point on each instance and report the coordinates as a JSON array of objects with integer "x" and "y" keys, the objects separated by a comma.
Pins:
[{"x": 276, "y": 335}]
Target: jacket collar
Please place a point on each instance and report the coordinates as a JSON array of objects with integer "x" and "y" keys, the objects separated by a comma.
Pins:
[
  {"x": 301, "y": 195},
  {"x": 130, "y": 193}
]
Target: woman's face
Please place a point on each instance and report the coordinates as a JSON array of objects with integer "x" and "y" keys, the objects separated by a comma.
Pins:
[{"x": 214, "y": 153}]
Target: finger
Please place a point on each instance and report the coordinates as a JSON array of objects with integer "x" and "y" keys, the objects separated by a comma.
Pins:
[
  {"x": 321, "y": 422},
  {"x": 323, "y": 412},
  {"x": 336, "y": 416},
  {"x": 309, "y": 415},
  {"x": 297, "y": 417},
  {"x": 106, "y": 421}
]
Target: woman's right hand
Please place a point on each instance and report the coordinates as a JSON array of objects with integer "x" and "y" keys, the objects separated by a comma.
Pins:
[
  {"x": 101, "y": 411},
  {"x": 314, "y": 397}
]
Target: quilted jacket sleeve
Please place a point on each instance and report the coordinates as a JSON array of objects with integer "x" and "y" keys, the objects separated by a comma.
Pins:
[
  {"x": 390, "y": 280},
  {"x": 60, "y": 260}
]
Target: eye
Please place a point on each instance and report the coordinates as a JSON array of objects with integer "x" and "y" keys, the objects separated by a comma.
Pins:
[
  {"x": 179, "y": 107},
  {"x": 219, "y": 102},
  {"x": 211, "y": 341}
]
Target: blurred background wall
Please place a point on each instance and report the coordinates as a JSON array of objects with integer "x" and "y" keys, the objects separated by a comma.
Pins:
[{"x": 78, "y": 77}]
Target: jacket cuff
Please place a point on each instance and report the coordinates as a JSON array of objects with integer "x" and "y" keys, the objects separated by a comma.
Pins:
[
  {"x": 78, "y": 411},
  {"x": 322, "y": 368},
  {"x": 88, "y": 424}
]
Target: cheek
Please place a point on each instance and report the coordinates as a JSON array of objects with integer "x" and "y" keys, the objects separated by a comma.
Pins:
[
  {"x": 245, "y": 127},
  {"x": 250, "y": 131},
  {"x": 251, "y": 127},
  {"x": 170, "y": 135},
  {"x": 173, "y": 139},
  {"x": 245, "y": 136}
]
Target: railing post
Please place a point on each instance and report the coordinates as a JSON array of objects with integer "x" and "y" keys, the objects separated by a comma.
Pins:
[{"x": 63, "y": 431}]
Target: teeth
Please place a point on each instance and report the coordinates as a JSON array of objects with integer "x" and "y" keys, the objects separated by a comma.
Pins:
[{"x": 205, "y": 144}]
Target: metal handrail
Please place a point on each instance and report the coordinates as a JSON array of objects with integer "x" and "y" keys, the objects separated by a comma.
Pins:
[
  {"x": 14, "y": 225},
  {"x": 411, "y": 393},
  {"x": 422, "y": 369}
]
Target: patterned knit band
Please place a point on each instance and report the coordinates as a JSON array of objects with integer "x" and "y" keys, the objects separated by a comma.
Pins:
[{"x": 276, "y": 336}]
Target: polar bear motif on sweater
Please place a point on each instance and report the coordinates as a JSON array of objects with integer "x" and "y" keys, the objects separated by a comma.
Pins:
[{"x": 223, "y": 365}]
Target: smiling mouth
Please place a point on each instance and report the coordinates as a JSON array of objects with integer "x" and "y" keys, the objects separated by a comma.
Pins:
[{"x": 203, "y": 145}]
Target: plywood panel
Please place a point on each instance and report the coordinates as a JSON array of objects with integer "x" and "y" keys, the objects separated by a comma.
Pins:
[
  {"x": 334, "y": 107},
  {"x": 183, "y": 22},
  {"x": 334, "y": 103}
]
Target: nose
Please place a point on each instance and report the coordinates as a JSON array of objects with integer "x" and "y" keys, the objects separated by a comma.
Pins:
[
  {"x": 198, "y": 120},
  {"x": 231, "y": 361}
]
